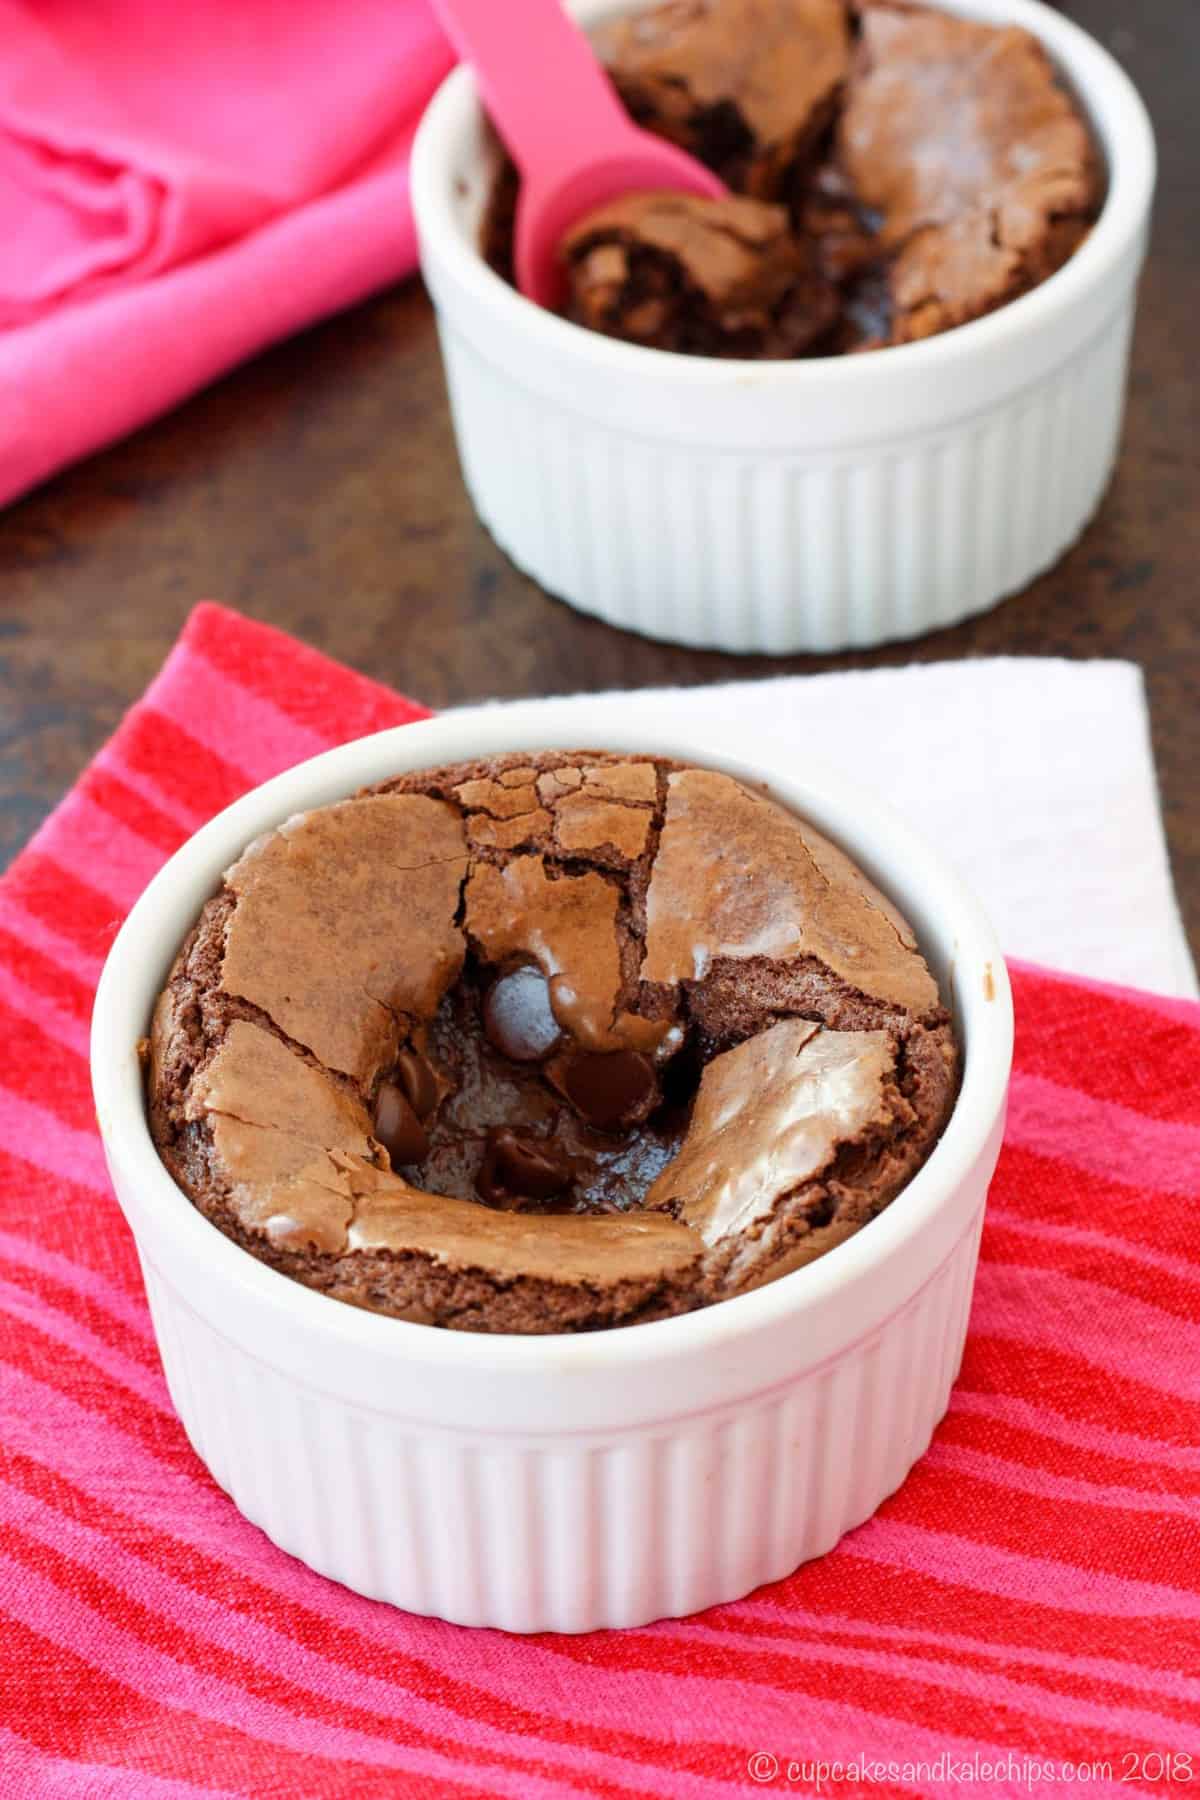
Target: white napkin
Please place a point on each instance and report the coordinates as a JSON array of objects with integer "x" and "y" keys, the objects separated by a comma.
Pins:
[{"x": 1032, "y": 774}]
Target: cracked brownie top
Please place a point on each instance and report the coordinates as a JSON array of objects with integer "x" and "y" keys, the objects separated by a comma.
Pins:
[{"x": 548, "y": 1042}]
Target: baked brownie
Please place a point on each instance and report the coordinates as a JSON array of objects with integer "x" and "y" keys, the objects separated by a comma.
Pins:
[
  {"x": 976, "y": 163},
  {"x": 933, "y": 168},
  {"x": 748, "y": 86},
  {"x": 710, "y": 277},
  {"x": 546, "y": 1043}
]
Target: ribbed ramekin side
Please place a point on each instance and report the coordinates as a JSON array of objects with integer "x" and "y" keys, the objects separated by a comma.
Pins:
[
  {"x": 779, "y": 552},
  {"x": 570, "y": 1533}
]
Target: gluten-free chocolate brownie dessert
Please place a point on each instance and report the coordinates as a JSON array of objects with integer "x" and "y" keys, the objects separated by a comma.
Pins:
[
  {"x": 748, "y": 86},
  {"x": 547, "y": 1043},
  {"x": 725, "y": 279},
  {"x": 896, "y": 171}
]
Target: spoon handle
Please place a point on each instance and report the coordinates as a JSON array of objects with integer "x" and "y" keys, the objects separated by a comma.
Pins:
[{"x": 548, "y": 97}]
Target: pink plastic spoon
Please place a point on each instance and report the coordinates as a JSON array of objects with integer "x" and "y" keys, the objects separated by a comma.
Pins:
[{"x": 572, "y": 141}]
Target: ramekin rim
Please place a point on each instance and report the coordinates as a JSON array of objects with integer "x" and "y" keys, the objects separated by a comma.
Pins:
[
  {"x": 179, "y": 889},
  {"x": 1130, "y": 188}
]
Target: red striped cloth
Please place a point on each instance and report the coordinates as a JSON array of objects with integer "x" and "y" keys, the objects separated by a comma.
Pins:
[{"x": 1029, "y": 1598}]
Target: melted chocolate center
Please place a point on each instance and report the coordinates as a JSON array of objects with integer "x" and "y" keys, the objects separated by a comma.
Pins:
[{"x": 527, "y": 1121}]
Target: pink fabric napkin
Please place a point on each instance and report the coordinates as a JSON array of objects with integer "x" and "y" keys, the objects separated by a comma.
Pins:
[{"x": 181, "y": 184}]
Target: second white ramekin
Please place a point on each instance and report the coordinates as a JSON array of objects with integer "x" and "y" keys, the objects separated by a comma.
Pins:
[
  {"x": 811, "y": 505},
  {"x": 572, "y": 1482}
]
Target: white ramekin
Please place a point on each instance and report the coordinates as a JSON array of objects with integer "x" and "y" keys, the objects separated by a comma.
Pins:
[
  {"x": 562, "y": 1483},
  {"x": 811, "y": 505}
]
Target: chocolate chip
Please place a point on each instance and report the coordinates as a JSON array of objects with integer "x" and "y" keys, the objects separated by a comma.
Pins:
[
  {"x": 518, "y": 1018},
  {"x": 520, "y": 1168},
  {"x": 418, "y": 1081},
  {"x": 609, "y": 1088},
  {"x": 398, "y": 1128}
]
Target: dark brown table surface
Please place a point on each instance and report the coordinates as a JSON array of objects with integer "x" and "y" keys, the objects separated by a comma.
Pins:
[{"x": 318, "y": 488}]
